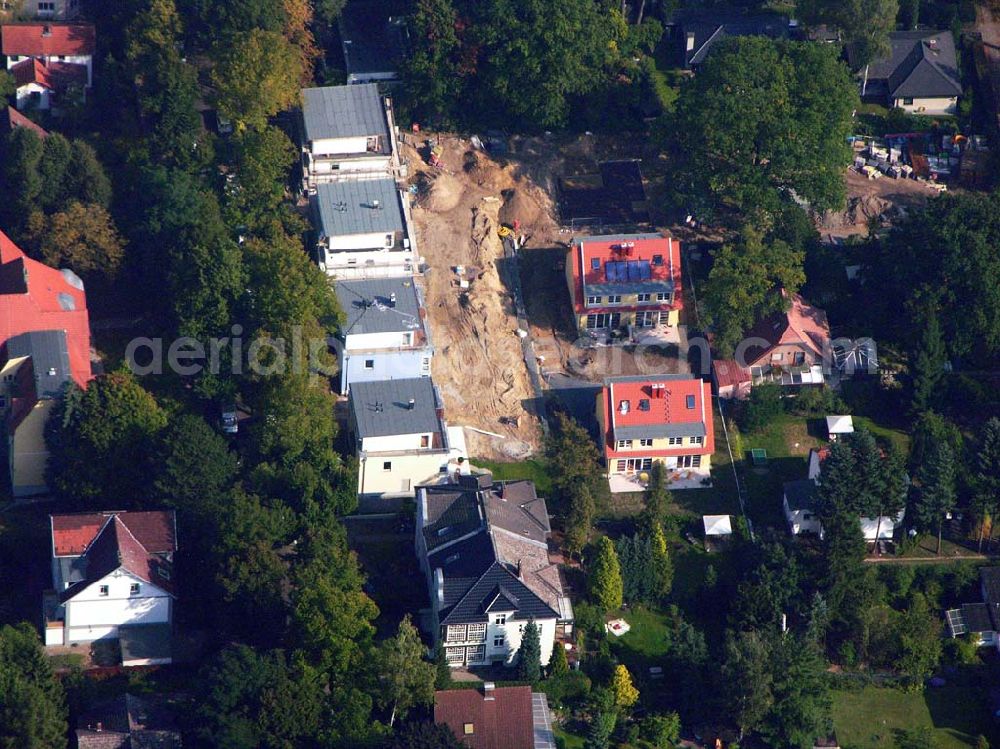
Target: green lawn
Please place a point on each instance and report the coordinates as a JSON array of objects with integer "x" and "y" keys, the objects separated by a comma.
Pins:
[
  {"x": 867, "y": 719},
  {"x": 647, "y": 638},
  {"x": 532, "y": 468},
  {"x": 568, "y": 740},
  {"x": 899, "y": 438}
]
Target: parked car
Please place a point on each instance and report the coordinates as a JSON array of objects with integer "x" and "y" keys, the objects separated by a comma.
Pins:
[{"x": 227, "y": 419}]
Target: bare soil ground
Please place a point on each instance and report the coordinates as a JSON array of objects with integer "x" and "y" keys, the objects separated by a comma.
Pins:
[
  {"x": 478, "y": 364},
  {"x": 885, "y": 199}
]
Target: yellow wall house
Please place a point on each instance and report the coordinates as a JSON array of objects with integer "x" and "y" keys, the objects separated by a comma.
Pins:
[{"x": 401, "y": 437}]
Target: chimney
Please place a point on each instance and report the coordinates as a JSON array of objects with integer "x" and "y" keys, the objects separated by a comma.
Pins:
[
  {"x": 519, "y": 575},
  {"x": 489, "y": 690},
  {"x": 411, "y": 404},
  {"x": 376, "y": 205},
  {"x": 99, "y": 727},
  {"x": 689, "y": 41},
  {"x": 46, "y": 30},
  {"x": 392, "y": 299}
]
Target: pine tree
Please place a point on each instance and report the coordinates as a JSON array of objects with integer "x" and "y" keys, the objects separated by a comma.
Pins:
[
  {"x": 937, "y": 489},
  {"x": 657, "y": 496},
  {"x": 601, "y": 728},
  {"x": 558, "y": 663},
  {"x": 986, "y": 478},
  {"x": 624, "y": 691},
  {"x": 442, "y": 671},
  {"x": 605, "y": 576},
  {"x": 661, "y": 568},
  {"x": 928, "y": 365},
  {"x": 529, "y": 654}
]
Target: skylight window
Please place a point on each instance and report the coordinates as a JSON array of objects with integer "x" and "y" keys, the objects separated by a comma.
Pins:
[
  {"x": 644, "y": 404},
  {"x": 690, "y": 401}
]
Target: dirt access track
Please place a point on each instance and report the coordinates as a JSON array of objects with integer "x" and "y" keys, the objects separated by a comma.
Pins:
[{"x": 478, "y": 363}]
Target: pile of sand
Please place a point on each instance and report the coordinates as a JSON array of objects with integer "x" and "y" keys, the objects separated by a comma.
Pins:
[
  {"x": 482, "y": 170},
  {"x": 442, "y": 193},
  {"x": 519, "y": 205}
]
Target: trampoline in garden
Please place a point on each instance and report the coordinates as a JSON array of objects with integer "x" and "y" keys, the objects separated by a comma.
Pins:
[{"x": 758, "y": 456}]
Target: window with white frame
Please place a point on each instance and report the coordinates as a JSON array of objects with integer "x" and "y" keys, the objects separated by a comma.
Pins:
[
  {"x": 614, "y": 299},
  {"x": 103, "y": 590},
  {"x": 455, "y": 655},
  {"x": 663, "y": 296},
  {"x": 456, "y": 633},
  {"x": 697, "y": 440},
  {"x": 477, "y": 632},
  {"x": 624, "y": 444},
  {"x": 498, "y": 641},
  {"x": 675, "y": 440},
  {"x": 642, "y": 297},
  {"x": 689, "y": 461},
  {"x": 594, "y": 300},
  {"x": 645, "y": 443},
  {"x": 500, "y": 619},
  {"x": 133, "y": 589}
]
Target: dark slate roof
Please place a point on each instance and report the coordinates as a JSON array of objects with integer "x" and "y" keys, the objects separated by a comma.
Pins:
[
  {"x": 382, "y": 409},
  {"x": 451, "y": 514},
  {"x": 653, "y": 431},
  {"x": 482, "y": 597},
  {"x": 49, "y": 355},
  {"x": 368, "y": 305},
  {"x": 977, "y": 617},
  {"x": 712, "y": 26},
  {"x": 367, "y": 206},
  {"x": 500, "y": 599},
  {"x": 344, "y": 112},
  {"x": 462, "y": 564},
  {"x": 921, "y": 64},
  {"x": 801, "y": 494},
  {"x": 990, "y": 578},
  {"x": 129, "y": 722},
  {"x": 374, "y": 36},
  {"x": 516, "y": 509}
]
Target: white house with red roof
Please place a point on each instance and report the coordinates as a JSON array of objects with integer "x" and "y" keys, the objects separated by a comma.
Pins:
[
  {"x": 625, "y": 281},
  {"x": 649, "y": 419},
  {"x": 48, "y": 58},
  {"x": 44, "y": 346},
  {"x": 789, "y": 348},
  {"x": 110, "y": 571}
]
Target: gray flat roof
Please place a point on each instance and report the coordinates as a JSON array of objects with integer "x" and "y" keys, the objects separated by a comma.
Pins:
[
  {"x": 365, "y": 206},
  {"x": 49, "y": 354},
  {"x": 368, "y": 307},
  {"x": 655, "y": 431},
  {"x": 343, "y": 112},
  {"x": 381, "y": 409}
]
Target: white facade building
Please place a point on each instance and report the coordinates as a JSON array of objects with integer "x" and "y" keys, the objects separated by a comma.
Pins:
[
  {"x": 109, "y": 571},
  {"x": 384, "y": 336},
  {"x": 483, "y": 548},
  {"x": 363, "y": 229},
  {"x": 348, "y": 132}
]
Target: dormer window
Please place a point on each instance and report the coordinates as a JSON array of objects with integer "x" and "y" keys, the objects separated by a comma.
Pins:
[
  {"x": 163, "y": 572},
  {"x": 624, "y": 407},
  {"x": 644, "y": 404}
]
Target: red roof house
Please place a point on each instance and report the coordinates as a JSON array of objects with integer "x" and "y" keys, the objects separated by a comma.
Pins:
[
  {"x": 37, "y": 297},
  {"x": 10, "y": 119},
  {"x": 47, "y": 39},
  {"x": 625, "y": 280},
  {"x": 650, "y": 419},
  {"x": 111, "y": 571},
  {"x": 44, "y": 345},
  {"x": 799, "y": 336},
  {"x": 489, "y": 719}
]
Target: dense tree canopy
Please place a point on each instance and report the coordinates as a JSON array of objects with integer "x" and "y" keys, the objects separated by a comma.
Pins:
[
  {"x": 943, "y": 258},
  {"x": 763, "y": 119},
  {"x": 32, "y": 704}
]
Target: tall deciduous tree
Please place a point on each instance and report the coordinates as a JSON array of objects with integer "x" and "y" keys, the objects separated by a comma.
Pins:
[
  {"x": 433, "y": 79},
  {"x": 195, "y": 466},
  {"x": 81, "y": 237},
  {"x": 21, "y": 181},
  {"x": 424, "y": 735},
  {"x": 762, "y": 118},
  {"x": 101, "y": 441},
  {"x": 801, "y": 710},
  {"x": 257, "y": 76},
  {"x": 406, "y": 679},
  {"x": 748, "y": 679},
  {"x": 604, "y": 576}
]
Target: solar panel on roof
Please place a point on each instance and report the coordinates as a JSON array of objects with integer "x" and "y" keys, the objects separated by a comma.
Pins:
[
  {"x": 633, "y": 270},
  {"x": 956, "y": 622},
  {"x": 645, "y": 272},
  {"x": 609, "y": 271}
]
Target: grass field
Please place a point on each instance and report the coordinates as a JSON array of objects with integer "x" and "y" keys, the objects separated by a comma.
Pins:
[
  {"x": 533, "y": 468},
  {"x": 871, "y": 718},
  {"x": 568, "y": 740}
]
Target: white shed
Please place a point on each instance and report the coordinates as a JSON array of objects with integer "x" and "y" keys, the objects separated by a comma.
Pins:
[{"x": 838, "y": 426}]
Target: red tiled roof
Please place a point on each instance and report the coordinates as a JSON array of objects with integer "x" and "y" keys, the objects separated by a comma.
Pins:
[
  {"x": 47, "y": 39},
  {"x": 117, "y": 547},
  {"x": 801, "y": 324},
  {"x": 10, "y": 119},
  {"x": 54, "y": 75},
  {"x": 730, "y": 374},
  {"x": 668, "y": 405},
  {"x": 503, "y": 722},
  {"x": 72, "y": 534},
  {"x": 35, "y": 297},
  {"x": 586, "y": 251}
]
